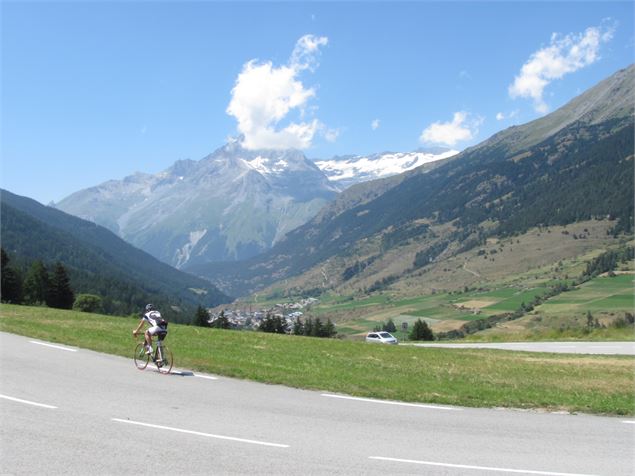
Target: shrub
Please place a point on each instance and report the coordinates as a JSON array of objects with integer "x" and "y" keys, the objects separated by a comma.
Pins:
[{"x": 87, "y": 303}]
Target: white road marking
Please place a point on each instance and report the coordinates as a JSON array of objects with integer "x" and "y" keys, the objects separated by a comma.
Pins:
[
  {"x": 389, "y": 402},
  {"x": 198, "y": 433},
  {"x": 53, "y": 346},
  {"x": 631, "y": 422},
  {"x": 19, "y": 400},
  {"x": 482, "y": 468}
]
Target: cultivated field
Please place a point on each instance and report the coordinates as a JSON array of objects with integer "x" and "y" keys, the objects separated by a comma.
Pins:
[{"x": 594, "y": 310}]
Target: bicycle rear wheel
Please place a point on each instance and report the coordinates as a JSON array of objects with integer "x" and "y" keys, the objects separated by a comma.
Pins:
[
  {"x": 141, "y": 359},
  {"x": 164, "y": 359}
]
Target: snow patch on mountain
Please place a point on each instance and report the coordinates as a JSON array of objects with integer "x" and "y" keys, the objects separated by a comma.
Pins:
[
  {"x": 348, "y": 170},
  {"x": 267, "y": 166},
  {"x": 259, "y": 164}
]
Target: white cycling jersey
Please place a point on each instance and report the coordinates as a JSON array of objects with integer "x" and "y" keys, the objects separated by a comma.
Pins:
[{"x": 154, "y": 319}]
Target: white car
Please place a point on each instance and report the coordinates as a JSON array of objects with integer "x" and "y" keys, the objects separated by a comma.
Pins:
[{"x": 381, "y": 338}]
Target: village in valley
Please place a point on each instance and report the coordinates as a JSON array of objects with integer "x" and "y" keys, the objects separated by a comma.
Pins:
[{"x": 251, "y": 317}]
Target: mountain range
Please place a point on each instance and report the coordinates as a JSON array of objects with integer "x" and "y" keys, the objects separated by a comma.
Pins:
[
  {"x": 231, "y": 205},
  {"x": 571, "y": 165}
]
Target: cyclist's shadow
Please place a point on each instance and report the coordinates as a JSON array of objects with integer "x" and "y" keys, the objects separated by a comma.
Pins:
[{"x": 181, "y": 373}]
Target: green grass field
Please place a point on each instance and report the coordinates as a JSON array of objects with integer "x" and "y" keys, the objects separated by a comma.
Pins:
[
  {"x": 601, "y": 294},
  {"x": 564, "y": 317},
  {"x": 477, "y": 378}
]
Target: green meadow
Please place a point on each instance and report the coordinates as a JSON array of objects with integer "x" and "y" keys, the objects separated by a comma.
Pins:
[
  {"x": 465, "y": 377},
  {"x": 601, "y": 294}
]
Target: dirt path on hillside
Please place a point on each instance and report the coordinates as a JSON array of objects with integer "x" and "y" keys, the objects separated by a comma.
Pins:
[{"x": 465, "y": 268}]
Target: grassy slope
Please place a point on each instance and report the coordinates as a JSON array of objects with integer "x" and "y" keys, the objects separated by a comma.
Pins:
[
  {"x": 506, "y": 258},
  {"x": 480, "y": 378}
]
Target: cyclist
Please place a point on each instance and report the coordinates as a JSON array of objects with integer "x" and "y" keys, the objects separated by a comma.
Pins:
[{"x": 157, "y": 324}]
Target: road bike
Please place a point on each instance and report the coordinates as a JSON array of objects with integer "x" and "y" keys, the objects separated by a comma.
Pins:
[{"x": 161, "y": 356}]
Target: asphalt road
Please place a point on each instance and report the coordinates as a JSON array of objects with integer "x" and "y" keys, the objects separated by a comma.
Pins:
[
  {"x": 599, "y": 348},
  {"x": 73, "y": 411}
]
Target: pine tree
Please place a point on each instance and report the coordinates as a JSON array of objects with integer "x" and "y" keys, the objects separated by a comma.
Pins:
[
  {"x": 36, "y": 284},
  {"x": 221, "y": 322},
  {"x": 308, "y": 327},
  {"x": 201, "y": 317},
  {"x": 273, "y": 324},
  {"x": 282, "y": 326},
  {"x": 421, "y": 331},
  {"x": 11, "y": 286},
  {"x": 298, "y": 327},
  {"x": 390, "y": 326},
  {"x": 60, "y": 294},
  {"x": 317, "y": 328},
  {"x": 329, "y": 329},
  {"x": 589, "y": 320}
]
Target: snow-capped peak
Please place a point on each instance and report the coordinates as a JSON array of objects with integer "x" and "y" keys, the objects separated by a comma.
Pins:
[
  {"x": 259, "y": 164},
  {"x": 354, "y": 169},
  {"x": 267, "y": 166}
]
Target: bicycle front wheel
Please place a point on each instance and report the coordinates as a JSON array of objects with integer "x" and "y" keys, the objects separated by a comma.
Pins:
[
  {"x": 141, "y": 359},
  {"x": 164, "y": 359}
]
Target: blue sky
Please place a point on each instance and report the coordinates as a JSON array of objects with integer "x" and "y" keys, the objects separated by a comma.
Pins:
[{"x": 93, "y": 91}]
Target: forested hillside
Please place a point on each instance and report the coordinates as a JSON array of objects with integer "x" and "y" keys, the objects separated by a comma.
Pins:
[{"x": 98, "y": 262}]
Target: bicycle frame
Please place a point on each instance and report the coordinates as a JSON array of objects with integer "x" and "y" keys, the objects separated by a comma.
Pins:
[
  {"x": 161, "y": 356},
  {"x": 158, "y": 351}
]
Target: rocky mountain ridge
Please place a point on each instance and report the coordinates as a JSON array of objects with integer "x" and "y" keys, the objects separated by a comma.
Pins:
[{"x": 230, "y": 205}]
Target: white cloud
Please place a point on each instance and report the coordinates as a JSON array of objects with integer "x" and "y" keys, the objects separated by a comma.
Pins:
[
  {"x": 501, "y": 116},
  {"x": 564, "y": 55},
  {"x": 264, "y": 95},
  {"x": 306, "y": 50},
  {"x": 331, "y": 135},
  {"x": 375, "y": 124},
  {"x": 463, "y": 127}
]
